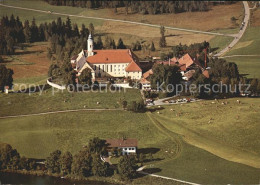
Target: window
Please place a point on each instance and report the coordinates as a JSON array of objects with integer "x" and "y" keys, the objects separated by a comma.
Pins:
[
  {"x": 95, "y": 67},
  {"x": 99, "y": 67},
  {"x": 110, "y": 68},
  {"x": 103, "y": 68}
]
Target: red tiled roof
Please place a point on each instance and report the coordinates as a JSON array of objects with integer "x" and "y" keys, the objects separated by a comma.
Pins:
[
  {"x": 165, "y": 62},
  {"x": 122, "y": 142},
  {"x": 174, "y": 59},
  {"x": 144, "y": 81},
  {"x": 133, "y": 67},
  {"x": 111, "y": 56},
  {"x": 186, "y": 59},
  {"x": 206, "y": 73},
  {"x": 148, "y": 73}
]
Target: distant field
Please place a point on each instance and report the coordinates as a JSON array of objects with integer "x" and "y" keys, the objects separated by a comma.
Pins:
[
  {"x": 30, "y": 63},
  {"x": 247, "y": 65},
  {"x": 219, "y": 15},
  {"x": 218, "y": 18}
]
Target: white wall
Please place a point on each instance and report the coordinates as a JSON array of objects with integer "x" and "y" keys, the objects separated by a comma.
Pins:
[
  {"x": 134, "y": 75},
  {"x": 128, "y": 150}
]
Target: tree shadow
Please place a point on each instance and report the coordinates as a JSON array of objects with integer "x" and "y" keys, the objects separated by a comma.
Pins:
[
  {"x": 148, "y": 150},
  {"x": 214, "y": 49},
  {"x": 172, "y": 35},
  {"x": 27, "y": 52},
  {"x": 154, "y": 109}
]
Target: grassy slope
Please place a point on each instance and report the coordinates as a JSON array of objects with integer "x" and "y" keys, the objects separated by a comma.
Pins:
[
  {"x": 247, "y": 65},
  {"x": 233, "y": 124},
  {"x": 70, "y": 131},
  {"x": 52, "y": 100}
]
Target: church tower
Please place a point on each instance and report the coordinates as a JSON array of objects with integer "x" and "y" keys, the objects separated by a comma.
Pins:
[{"x": 90, "y": 45}]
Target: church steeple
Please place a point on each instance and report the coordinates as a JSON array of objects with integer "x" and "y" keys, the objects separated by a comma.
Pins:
[{"x": 90, "y": 45}]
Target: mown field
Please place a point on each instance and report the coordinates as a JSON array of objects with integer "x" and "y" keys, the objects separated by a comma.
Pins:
[{"x": 175, "y": 151}]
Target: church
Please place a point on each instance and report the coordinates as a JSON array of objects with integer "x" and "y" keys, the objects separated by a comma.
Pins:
[{"x": 110, "y": 63}]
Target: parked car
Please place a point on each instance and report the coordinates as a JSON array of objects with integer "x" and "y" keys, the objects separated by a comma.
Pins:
[
  {"x": 172, "y": 101},
  {"x": 150, "y": 104}
]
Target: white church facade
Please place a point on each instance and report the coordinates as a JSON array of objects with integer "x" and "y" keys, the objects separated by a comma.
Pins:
[{"x": 114, "y": 63}]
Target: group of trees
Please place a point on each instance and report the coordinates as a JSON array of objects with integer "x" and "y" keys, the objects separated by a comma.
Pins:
[
  {"x": 85, "y": 163},
  {"x": 143, "y": 7},
  {"x": 6, "y": 77},
  {"x": 164, "y": 75},
  {"x": 221, "y": 72}
]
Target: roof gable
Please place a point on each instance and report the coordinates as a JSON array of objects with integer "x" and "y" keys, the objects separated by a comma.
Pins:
[
  {"x": 121, "y": 142},
  {"x": 133, "y": 67}
]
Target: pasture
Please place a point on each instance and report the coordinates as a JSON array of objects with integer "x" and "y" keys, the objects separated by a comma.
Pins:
[{"x": 166, "y": 136}]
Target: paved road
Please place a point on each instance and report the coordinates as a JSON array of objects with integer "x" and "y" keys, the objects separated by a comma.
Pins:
[
  {"x": 57, "y": 112},
  {"x": 117, "y": 20},
  {"x": 240, "y": 33}
]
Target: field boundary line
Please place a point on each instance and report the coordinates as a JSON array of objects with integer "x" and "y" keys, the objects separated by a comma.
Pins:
[{"x": 57, "y": 112}]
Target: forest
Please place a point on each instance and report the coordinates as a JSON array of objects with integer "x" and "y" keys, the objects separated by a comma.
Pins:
[{"x": 142, "y": 7}]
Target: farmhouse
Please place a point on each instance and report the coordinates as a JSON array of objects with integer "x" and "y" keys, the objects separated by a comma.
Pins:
[
  {"x": 114, "y": 63},
  {"x": 127, "y": 146}
]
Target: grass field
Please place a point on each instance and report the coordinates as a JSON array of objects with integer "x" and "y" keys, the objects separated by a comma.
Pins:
[
  {"x": 225, "y": 129},
  {"x": 37, "y": 136},
  {"x": 47, "y": 101},
  {"x": 248, "y": 44},
  {"x": 247, "y": 65},
  {"x": 32, "y": 62}
]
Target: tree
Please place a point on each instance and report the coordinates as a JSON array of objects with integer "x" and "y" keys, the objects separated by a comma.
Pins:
[
  {"x": 99, "y": 44},
  {"x": 66, "y": 162},
  {"x": 9, "y": 157},
  {"x": 97, "y": 146},
  {"x": 99, "y": 168},
  {"x": 152, "y": 47},
  {"x": 6, "y": 77},
  {"x": 120, "y": 44},
  {"x": 91, "y": 29},
  {"x": 127, "y": 167},
  {"x": 82, "y": 163},
  {"x": 136, "y": 106},
  {"x": 166, "y": 75},
  {"x": 86, "y": 77},
  {"x": 162, "y": 41},
  {"x": 53, "y": 162},
  {"x": 68, "y": 74},
  {"x": 27, "y": 32},
  {"x": 253, "y": 85}
]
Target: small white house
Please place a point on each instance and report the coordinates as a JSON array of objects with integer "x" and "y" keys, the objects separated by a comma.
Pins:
[
  {"x": 6, "y": 89},
  {"x": 127, "y": 146}
]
